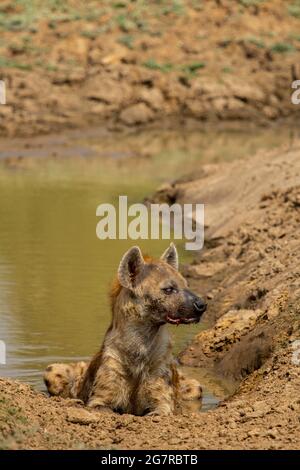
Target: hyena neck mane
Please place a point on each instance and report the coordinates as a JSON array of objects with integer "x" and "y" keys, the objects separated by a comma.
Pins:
[
  {"x": 136, "y": 344},
  {"x": 134, "y": 338}
]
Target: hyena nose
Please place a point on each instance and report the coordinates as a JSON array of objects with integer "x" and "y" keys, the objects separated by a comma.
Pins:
[{"x": 200, "y": 306}]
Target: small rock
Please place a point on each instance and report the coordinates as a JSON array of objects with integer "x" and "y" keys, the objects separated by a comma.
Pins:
[
  {"x": 156, "y": 419},
  {"x": 174, "y": 441},
  {"x": 272, "y": 433},
  {"x": 137, "y": 114},
  {"x": 152, "y": 97},
  {"x": 80, "y": 416},
  {"x": 254, "y": 433}
]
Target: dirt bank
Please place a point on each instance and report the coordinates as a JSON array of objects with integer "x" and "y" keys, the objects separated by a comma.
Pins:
[
  {"x": 70, "y": 64},
  {"x": 265, "y": 414},
  {"x": 250, "y": 267},
  {"x": 250, "y": 272}
]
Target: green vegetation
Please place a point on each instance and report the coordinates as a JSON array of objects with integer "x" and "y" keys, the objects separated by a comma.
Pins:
[
  {"x": 12, "y": 415},
  {"x": 175, "y": 6},
  {"x": 5, "y": 62},
  {"x": 193, "y": 67},
  {"x": 189, "y": 69},
  {"x": 282, "y": 47},
  {"x": 31, "y": 11},
  {"x": 249, "y": 3},
  {"x": 89, "y": 34},
  {"x": 126, "y": 19},
  {"x": 197, "y": 5},
  {"x": 294, "y": 9},
  {"x": 295, "y": 37},
  {"x": 227, "y": 70},
  {"x": 119, "y": 5},
  {"x": 126, "y": 41},
  {"x": 256, "y": 42},
  {"x": 270, "y": 34},
  {"x": 152, "y": 64},
  {"x": 14, "y": 23},
  {"x": 49, "y": 67},
  {"x": 125, "y": 23}
]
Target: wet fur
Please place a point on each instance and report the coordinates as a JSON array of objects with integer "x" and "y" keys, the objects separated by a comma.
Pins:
[
  {"x": 65, "y": 380},
  {"x": 134, "y": 371}
]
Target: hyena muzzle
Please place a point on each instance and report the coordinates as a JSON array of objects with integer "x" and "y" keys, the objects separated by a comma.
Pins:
[{"x": 134, "y": 371}]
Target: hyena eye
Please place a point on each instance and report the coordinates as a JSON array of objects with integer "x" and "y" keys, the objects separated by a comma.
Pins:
[{"x": 170, "y": 290}]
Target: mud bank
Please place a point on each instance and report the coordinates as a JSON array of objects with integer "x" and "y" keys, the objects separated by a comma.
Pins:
[
  {"x": 250, "y": 274},
  {"x": 263, "y": 415},
  {"x": 127, "y": 65},
  {"x": 249, "y": 269}
]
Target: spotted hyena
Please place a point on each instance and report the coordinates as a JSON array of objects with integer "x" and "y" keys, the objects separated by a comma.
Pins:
[
  {"x": 134, "y": 371},
  {"x": 65, "y": 380}
]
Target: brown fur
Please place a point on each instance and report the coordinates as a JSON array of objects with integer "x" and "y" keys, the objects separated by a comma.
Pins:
[
  {"x": 60, "y": 379},
  {"x": 65, "y": 379},
  {"x": 134, "y": 371}
]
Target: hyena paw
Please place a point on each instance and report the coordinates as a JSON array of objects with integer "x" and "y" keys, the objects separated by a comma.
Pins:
[
  {"x": 104, "y": 409},
  {"x": 99, "y": 407},
  {"x": 160, "y": 412},
  {"x": 74, "y": 401}
]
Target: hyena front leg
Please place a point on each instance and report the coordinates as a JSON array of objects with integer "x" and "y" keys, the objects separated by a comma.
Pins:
[
  {"x": 156, "y": 396},
  {"x": 110, "y": 391}
]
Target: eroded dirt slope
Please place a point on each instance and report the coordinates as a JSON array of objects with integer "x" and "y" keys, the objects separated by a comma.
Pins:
[
  {"x": 126, "y": 63},
  {"x": 249, "y": 269},
  {"x": 264, "y": 415}
]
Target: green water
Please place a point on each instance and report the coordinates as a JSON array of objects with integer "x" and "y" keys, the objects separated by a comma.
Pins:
[{"x": 54, "y": 272}]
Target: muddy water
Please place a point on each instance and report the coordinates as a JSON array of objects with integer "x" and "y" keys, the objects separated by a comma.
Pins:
[{"x": 54, "y": 272}]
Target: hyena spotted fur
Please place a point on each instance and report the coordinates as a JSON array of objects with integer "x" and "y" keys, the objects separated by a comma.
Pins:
[
  {"x": 65, "y": 380},
  {"x": 135, "y": 371}
]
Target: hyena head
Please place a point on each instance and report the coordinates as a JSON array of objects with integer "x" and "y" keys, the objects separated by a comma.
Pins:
[{"x": 154, "y": 291}]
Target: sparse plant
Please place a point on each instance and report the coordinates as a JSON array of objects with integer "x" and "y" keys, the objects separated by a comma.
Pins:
[
  {"x": 227, "y": 70},
  {"x": 256, "y": 42},
  {"x": 295, "y": 37},
  {"x": 152, "y": 64},
  {"x": 250, "y": 3},
  {"x": 176, "y": 7},
  {"x": 294, "y": 9},
  {"x": 5, "y": 62},
  {"x": 124, "y": 23},
  {"x": 193, "y": 67},
  {"x": 126, "y": 41},
  {"x": 282, "y": 47}
]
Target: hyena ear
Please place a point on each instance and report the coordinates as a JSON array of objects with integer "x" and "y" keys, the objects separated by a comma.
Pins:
[
  {"x": 130, "y": 265},
  {"x": 170, "y": 256}
]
